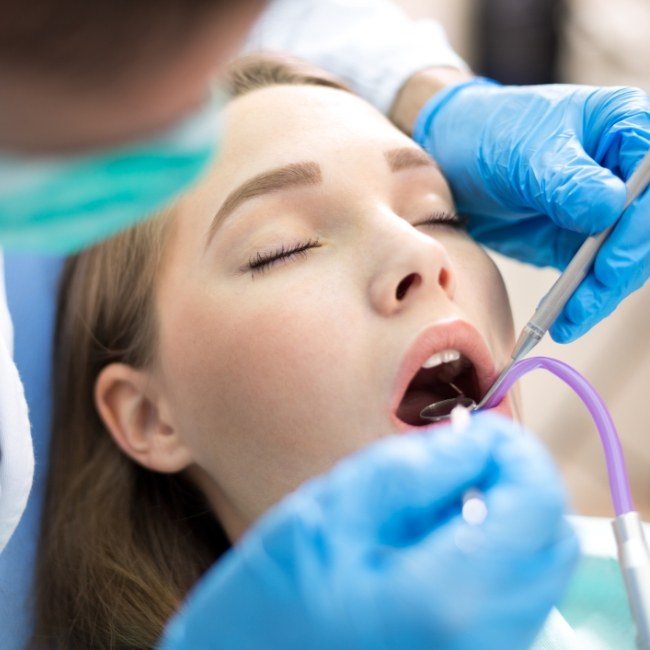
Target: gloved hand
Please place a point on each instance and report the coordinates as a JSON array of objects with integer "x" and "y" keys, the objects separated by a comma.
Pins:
[
  {"x": 376, "y": 555},
  {"x": 537, "y": 168}
]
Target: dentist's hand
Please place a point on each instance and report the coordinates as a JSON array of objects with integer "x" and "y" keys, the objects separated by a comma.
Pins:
[
  {"x": 537, "y": 168},
  {"x": 376, "y": 555}
]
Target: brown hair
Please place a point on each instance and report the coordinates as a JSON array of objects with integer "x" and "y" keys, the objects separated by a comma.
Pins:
[
  {"x": 100, "y": 40},
  {"x": 120, "y": 545}
]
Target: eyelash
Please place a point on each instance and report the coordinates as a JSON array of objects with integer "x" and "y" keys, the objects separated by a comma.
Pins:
[
  {"x": 263, "y": 261},
  {"x": 450, "y": 219}
]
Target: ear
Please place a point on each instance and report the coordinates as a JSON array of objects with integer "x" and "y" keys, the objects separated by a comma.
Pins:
[{"x": 136, "y": 419}]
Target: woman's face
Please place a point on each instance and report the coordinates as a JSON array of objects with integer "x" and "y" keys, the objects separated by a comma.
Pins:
[{"x": 273, "y": 370}]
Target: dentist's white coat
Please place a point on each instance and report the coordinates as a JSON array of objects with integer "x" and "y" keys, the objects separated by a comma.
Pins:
[{"x": 16, "y": 453}]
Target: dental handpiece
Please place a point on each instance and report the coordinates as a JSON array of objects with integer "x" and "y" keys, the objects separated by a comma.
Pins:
[
  {"x": 634, "y": 560},
  {"x": 563, "y": 288}
]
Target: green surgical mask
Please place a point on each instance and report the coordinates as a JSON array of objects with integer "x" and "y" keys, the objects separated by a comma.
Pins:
[{"x": 62, "y": 204}]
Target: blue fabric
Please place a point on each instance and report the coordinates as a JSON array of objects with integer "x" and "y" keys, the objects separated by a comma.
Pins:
[
  {"x": 31, "y": 293},
  {"x": 596, "y": 603}
]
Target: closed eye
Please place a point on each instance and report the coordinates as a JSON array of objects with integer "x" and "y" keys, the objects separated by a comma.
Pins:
[
  {"x": 263, "y": 260},
  {"x": 443, "y": 218}
]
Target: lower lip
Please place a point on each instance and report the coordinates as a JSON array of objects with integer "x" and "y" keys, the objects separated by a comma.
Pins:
[{"x": 504, "y": 408}]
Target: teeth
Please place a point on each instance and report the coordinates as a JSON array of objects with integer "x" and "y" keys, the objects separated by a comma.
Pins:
[{"x": 444, "y": 356}]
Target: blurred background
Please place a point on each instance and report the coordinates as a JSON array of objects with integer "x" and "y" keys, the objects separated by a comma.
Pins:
[{"x": 575, "y": 41}]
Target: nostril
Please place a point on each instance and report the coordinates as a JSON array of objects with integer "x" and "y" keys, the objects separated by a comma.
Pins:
[
  {"x": 444, "y": 278},
  {"x": 405, "y": 285}
]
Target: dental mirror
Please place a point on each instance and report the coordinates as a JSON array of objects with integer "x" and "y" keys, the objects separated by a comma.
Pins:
[{"x": 442, "y": 410}]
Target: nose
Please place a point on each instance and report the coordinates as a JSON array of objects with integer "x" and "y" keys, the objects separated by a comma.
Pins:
[{"x": 409, "y": 271}]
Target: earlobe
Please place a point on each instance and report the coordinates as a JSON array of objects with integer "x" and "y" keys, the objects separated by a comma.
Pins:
[{"x": 129, "y": 408}]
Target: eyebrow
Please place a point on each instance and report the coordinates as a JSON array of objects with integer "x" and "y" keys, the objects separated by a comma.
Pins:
[
  {"x": 304, "y": 174},
  {"x": 294, "y": 175},
  {"x": 408, "y": 158}
]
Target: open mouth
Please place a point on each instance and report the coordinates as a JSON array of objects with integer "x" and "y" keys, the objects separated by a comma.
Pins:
[
  {"x": 448, "y": 359},
  {"x": 445, "y": 375}
]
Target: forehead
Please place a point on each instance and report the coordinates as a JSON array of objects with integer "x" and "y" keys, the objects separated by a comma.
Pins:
[
  {"x": 281, "y": 124},
  {"x": 349, "y": 140}
]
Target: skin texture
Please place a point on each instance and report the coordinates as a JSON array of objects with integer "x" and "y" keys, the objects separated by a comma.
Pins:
[
  {"x": 264, "y": 380},
  {"x": 417, "y": 91}
]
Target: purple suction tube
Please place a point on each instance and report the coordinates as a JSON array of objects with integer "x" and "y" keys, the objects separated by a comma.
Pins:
[{"x": 618, "y": 481}]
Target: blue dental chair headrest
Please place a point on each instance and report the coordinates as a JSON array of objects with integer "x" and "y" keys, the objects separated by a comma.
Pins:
[{"x": 31, "y": 283}]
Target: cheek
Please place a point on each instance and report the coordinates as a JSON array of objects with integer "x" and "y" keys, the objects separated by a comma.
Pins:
[
  {"x": 482, "y": 294},
  {"x": 292, "y": 353},
  {"x": 263, "y": 392},
  {"x": 252, "y": 381}
]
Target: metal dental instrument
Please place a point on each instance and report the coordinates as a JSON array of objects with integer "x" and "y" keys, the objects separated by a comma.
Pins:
[{"x": 552, "y": 303}]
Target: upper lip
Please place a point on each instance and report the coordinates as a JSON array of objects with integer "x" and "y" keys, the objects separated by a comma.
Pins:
[{"x": 455, "y": 334}]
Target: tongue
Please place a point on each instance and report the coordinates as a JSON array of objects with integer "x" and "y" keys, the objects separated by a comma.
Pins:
[{"x": 414, "y": 401}]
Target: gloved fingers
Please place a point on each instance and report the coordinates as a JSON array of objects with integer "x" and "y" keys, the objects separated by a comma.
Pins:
[
  {"x": 631, "y": 144},
  {"x": 521, "y": 483},
  {"x": 472, "y": 548},
  {"x": 534, "y": 240},
  {"x": 591, "y": 303},
  {"x": 564, "y": 247},
  {"x": 621, "y": 145},
  {"x": 399, "y": 489},
  {"x": 575, "y": 191},
  {"x": 545, "y": 569},
  {"x": 623, "y": 262},
  {"x": 530, "y": 590},
  {"x": 486, "y": 589},
  {"x": 621, "y": 267},
  {"x": 527, "y": 503}
]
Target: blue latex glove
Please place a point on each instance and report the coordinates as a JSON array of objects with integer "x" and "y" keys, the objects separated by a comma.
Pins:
[
  {"x": 376, "y": 555},
  {"x": 537, "y": 168}
]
